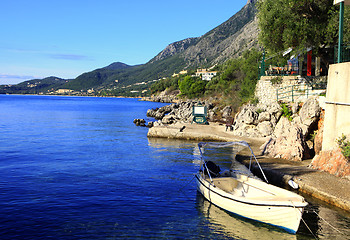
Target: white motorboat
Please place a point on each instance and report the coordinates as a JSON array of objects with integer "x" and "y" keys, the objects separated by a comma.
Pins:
[{"x": 247, "y": 196}]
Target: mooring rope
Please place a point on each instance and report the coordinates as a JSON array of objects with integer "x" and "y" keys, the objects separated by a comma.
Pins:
[
  {"x": 308, "y": 228},
  {"x": 185, "y": 185},
  {"x": 303, "y": 220},
  {"x": 328, "y": 223}
]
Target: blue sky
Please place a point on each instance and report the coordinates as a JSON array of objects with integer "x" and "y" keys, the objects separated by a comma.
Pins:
[{"x": 64, "y": 38}]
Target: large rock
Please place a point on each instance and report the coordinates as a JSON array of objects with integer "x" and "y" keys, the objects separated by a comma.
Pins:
[
  {"x": 295, "y": 107},
  {"x": 248, "y": 115},
  {"x": 212, "y": 116},
  {"x": 308, "y": 116},
  {"x": 180, "y": 112},
  {"x": 310, "y": 111},
  {"x": 264, "y": 116},
  {"x": 282, "y": 128},
  {"x": 140, "y": 122},
  {"x": 333, "y": 162},
  {"x": 168, "y": 119},
  {"x": 288, "y": 139},
  {"x": 160, "y": 113},
  {"x": 246, "y": 130},
  {"x": 275, "y": 111},
  {"x": 166, "y": 109},
  {"x": 150, "y": 124},
  {"x": 319, "y": 134},
  {"x": 183, "y": 111},
  {"x": 289, "y": 144},
  {"x": 154, "y": 113},
  {"x": 227, "y": 112},
  {"x": 257, "y": 121},
  {"x": 265, "y": 128}
]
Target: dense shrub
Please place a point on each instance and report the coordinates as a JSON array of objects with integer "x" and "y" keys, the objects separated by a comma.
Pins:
[
  {"x": 168, "y": 83},
  {"x": 192, "y": 86}
]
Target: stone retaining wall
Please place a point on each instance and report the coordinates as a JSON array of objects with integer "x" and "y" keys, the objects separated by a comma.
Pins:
[{"x": 266, "y": 92}]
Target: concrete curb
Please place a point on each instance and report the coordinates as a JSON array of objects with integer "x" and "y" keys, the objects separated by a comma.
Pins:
[
  {"x": 316, "y": 193},
  {"x": 281, "y": 179}
]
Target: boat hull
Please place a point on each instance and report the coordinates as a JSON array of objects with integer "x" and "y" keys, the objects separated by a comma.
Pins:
[{"x": 283, "y": 214}]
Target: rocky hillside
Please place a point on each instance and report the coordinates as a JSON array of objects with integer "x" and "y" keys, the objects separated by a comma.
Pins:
[
  {"x": 228, "y": 40},
  {"x": 174, "y": 48}
]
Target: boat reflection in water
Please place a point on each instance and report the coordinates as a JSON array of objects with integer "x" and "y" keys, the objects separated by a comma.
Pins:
[
  {"x": 325, "y": 222},
  {"x": 234, "y": 227}
]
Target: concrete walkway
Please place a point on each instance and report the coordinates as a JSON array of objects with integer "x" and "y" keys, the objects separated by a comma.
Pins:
[{"x": 320, "y": 185}]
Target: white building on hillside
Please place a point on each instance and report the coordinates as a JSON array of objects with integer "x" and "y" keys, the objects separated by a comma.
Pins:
[
  {"x": 205, "y": 74},
  {"x": 183, "y": 72}
]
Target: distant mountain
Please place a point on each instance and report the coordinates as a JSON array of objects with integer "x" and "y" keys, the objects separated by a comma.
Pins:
[
  {"x": 35, "y": 86},
  {"x": 117, "y": 65},
  {"x": 228, "y": 40},
  {"x": 175, "y": 48},
  {"x": 101, "y": 77}
]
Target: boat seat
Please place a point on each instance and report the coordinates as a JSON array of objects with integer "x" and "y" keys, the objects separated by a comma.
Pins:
[{"x": 228, "y": 184}]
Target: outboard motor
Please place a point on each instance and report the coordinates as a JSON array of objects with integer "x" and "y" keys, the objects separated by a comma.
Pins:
[{"x": 214, "y": 169}]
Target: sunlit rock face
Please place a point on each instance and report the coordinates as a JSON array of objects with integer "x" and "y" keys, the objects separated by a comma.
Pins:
[{"x": 333, "y": 162}]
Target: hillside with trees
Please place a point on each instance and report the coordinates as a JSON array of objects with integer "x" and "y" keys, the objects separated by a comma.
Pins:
[
  {"x": 234, "y": 84},
  {"x": 34, "y": 86}
]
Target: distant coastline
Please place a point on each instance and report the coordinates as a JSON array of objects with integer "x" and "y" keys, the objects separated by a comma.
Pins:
[{"x": 62, "y": 95}]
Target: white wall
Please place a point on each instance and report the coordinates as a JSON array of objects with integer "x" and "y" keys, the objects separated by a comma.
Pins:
[{"x": 337, "y": 111}]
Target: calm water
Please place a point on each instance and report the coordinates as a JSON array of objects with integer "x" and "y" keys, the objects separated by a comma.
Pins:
[{"x": 78, "y": 168}]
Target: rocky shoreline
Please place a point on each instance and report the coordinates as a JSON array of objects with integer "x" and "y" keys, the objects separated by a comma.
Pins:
[{"x": 291, "y": 137}]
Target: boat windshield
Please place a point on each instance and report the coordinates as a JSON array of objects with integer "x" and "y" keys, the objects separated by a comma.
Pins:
[{"x": 236, "y": 148}]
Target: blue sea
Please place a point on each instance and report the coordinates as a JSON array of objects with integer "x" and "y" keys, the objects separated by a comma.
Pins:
[{"x": 78, "y": 168}]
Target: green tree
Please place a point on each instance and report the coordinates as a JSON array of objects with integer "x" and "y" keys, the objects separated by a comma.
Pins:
[
  {"x": 192, "y": 86},
  {"x": 297, "y": 23},
  {"x": 161, "y": 85},
  {"x": 237, "y": 79},
  {"x": 250, "y": 66}
]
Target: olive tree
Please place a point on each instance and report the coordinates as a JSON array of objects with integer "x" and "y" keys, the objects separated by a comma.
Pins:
[{"x": 297, "y": 23}]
